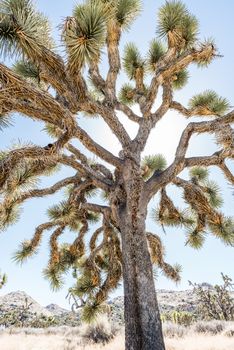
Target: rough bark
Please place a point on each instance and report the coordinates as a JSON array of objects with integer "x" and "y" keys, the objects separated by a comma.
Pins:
[{"x": 143, "y": 329}]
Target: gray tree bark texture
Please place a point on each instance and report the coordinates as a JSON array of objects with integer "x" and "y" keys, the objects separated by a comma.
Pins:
[
  {"x": 142, "y": 319},
  {"x": 143, "y": 330}
]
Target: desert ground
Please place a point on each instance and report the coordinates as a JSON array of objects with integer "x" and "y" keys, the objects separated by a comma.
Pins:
[
  {"x": 50, "y": 342},
  {"x": 205, "y": 336}
]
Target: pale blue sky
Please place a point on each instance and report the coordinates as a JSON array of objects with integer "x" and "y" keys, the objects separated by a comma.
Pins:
[{"x": 205, "y": 265}]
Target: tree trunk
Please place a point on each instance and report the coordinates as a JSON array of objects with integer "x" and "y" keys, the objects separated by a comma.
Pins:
[{"x": 143, "y": 329}]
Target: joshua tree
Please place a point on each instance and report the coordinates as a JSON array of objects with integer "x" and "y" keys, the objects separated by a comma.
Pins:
[
  {"x": 215, "y": 302},
  {"x": 45, "y": 87},
  {"x": 3, "y": 280}
]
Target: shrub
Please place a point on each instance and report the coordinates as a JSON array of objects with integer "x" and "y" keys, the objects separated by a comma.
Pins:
[
  {"x": 215, "y": 303},
  {"x": 178, "y": 317},
  {"x": 212, "y": 327},
  {"x": 101, "y": 331},
  {"x": 172, "y": 330},
  {"x": 229, "y": 333}
]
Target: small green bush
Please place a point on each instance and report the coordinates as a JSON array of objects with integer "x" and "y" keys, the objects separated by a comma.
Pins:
[{"x": 179, "y": 317}]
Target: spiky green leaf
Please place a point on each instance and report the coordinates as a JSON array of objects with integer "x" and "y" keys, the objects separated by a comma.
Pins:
[
  {"x": 22, "y": 179},
  {"x": 184, "y": 218},
  {"x": 172, "y": 272},
  {"x": 223, "y": 230},
  {"x": 132, "y": 60},
  {"x": 127, "y": 11},
  {"x": 84, "y": 34},
  {"x": 52, "y": 130},
  {"x": 177, "y": 24},
  {"x": 27, "y": 69},
  {"x": 156, "y": 51},
  {"x": 85, "y": 286},
  {"x": 91, "y": 311},
  {"x": 22, "y": 29},
  {"x": 214, "y": 194},
  {"x": 153, "y": 163},
  {"x": 126, "y": 94},
  {"x": 195, "y": 238},
  {"x": 200, "y": 173},
  {"x": 5, "y": 120},
  {"x": 93, "y": 217},
  {"x": 210, "y": 101},
  {"x": 180, "y": 79},
  {"x": 59, "y": 210},
  {"x": 24, "y": 252},
  {"x": 206, "y": 59},
  {"x": 9, "y": 214},
  {"x": 54, "y": 276},
  {"x": 3, "y": 279}
]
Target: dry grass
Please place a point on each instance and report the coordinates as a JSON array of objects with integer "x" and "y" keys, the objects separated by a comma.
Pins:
[
  {"x": 65, "y": 338},
  {"x": 201, "y": 342},
  {"x": 58, "y": 342}
]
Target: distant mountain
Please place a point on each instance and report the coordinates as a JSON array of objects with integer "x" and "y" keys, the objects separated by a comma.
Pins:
[
  {"x": 168, "y": 300},
  {"x": 57, "y": 310},
  {"x": 17, "y": 299}
]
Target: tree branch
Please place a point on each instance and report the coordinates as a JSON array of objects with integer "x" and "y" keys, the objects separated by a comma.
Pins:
[
  {"x": 215, "y": 159},
  {"x": 156, "y": 81},
  {"x": 99, "y": 180},
  {"x": 84, "y": 160},
  {"x": 25, "y": 98},
  {"x": 166, "y": 101},
  {"x": 106, "y": 111},
  {"x": 96, "y": 77},
  {"x": 96, "y": 208},
  {"x": 169, "y": 65},
  {"x": 113, "y": 37},
  {"x": 228, "y": 174},
  {"x": 183, "y": 110},
  {"x": 202, "y": 111},
  {"x": 95, "y": 148},
  {"x": 43, "y": 106},
  {"x": 148, "y": 123},
  {"x": 128, "y": 112},
  {"x": 47, "y": 191},
  {"x": 180, "y": 162},
  {"x": 14, "y": 157}
]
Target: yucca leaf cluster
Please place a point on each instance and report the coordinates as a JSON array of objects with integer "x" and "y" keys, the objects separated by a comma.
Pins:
[
  {"x": 181, "y": 31},
  {"x": 209, "y": 103},
  {"x": 151, "y": 164},
  {"x": 204, "y": 198},
  {"x": 22, "y": 29},
  {"x": 177, "y": 25},
  {"x": 22, "y": 177}
]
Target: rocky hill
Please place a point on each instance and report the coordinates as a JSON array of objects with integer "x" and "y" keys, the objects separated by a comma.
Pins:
[
  {"x": 18, "y": 299},
  {"x": 56, "y": 310},
  {"x": 18, "y": 309},
  {"x": 169, "y": 300}
]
